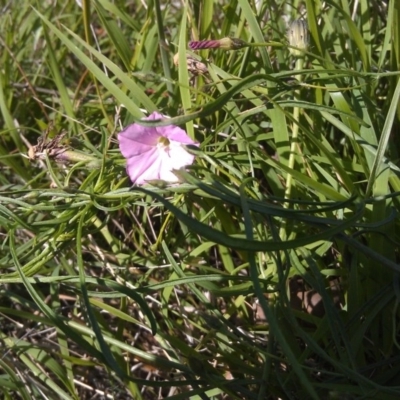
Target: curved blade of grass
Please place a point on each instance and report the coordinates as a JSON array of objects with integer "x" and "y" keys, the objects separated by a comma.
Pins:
[
  {"x": 183, "y": 72},
  {"x": 315, "y": 30},
  {"x": 13, "y": 382},
  {"x": 354, "y": 34},
  {"x": 217, "y": 104},
  {"x": 268, "y": 311},
  {"x": 47, "y": 311},
  {"x": 99, "y": 74},
  {"x": 116, "y": 36},
  {"x": 256, "y": 32},
  {"x": 152, "y": 359},
  {"x": 120, "y": 13},
  {"x": 163, "y": 45},
  {"x": 243, "y": 244},
  {"x": 366, "y": 250},
  {"x": 383, "y": 142},
  {"x": 352, "y": 135},
  {"x": 320, "y": 107},
  {"x": 278, "y": 120},
  {"x": 226, "y": 194},
  {"x": 35, "y": 359},
  {"x": 111, "y": 361}
]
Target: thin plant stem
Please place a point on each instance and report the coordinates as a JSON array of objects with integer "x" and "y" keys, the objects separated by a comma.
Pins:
[{"x": 293, "y": 145}]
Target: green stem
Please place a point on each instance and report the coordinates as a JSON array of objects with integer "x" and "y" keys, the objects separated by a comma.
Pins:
[
  {"x": 265, "y": 44},
  {"x": 74, "y": 156},
  {"x": 163, "y": 46},
  {"x": 293, "y": 146}
]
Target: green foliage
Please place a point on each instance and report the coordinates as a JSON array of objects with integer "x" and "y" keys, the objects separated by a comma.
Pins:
[{"x": 270, "y": 272}]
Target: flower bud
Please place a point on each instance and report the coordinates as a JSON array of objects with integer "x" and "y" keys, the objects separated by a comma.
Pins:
[
  {"x": 204, "y": 44},
  {"x": 298, "y": 37},
  {"x": 226, "y": 43}
]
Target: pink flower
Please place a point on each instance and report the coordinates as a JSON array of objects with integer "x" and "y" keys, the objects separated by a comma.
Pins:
[{"x": 153, "y": 152}]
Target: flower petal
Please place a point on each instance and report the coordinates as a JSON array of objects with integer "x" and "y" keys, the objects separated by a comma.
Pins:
[
  {"x": 175, "y": 133},
  {"x": 148, "y": 158},
  {"x": 141, "y": 167},
  {"x": 155, "y": 115},
  {"x": 180, "y": 156},
  {"x": 136, "y": 139},
  {"x": 154, "y": 172},
  {"x": 172, "y": 132},
  {"x": 174, "y": 158}
]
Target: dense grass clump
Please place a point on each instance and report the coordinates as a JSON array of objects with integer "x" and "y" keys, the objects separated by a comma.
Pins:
[{"x": 270, "y": 271}]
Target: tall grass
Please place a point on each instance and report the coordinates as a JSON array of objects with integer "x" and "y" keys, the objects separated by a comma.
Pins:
[{"x": 228, "y": 285}]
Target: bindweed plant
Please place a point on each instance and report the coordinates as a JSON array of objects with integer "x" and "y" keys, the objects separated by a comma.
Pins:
[{"x": 239, "y": 240}]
